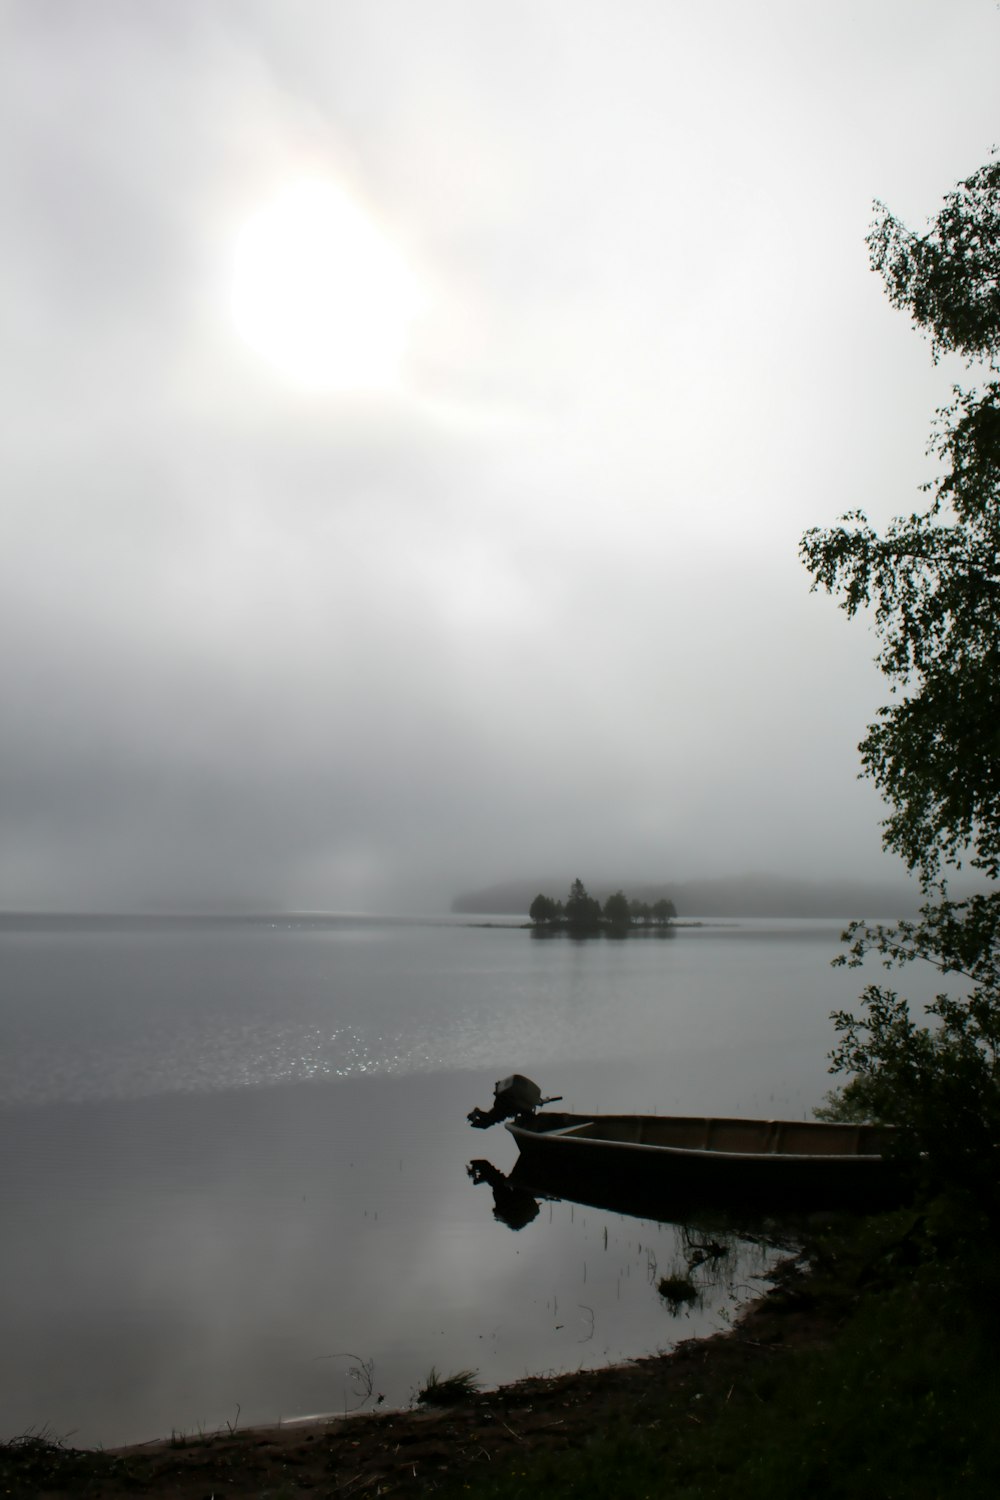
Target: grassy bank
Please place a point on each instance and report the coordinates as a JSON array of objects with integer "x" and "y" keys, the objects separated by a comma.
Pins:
[{"x": 900, "y": 1396}]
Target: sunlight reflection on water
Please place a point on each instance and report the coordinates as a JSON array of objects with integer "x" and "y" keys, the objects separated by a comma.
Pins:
[{"x": 123, "y": 1013}]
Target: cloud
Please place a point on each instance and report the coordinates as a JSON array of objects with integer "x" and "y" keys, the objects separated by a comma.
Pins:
[{"x": 538, "y": 609}]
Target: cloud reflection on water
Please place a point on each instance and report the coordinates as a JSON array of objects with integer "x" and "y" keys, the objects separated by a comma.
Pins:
[{"x": 176, "y": 1256}]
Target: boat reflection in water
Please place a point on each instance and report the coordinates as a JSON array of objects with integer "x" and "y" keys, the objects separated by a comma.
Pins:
[
  {"x": 517, "y": 1196},
  {"x": 513, "y": 1205},
  {"x": 712, "y": 1250}
]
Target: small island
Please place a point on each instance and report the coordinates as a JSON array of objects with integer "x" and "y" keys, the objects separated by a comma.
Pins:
[{"x": 583, "y": 914}]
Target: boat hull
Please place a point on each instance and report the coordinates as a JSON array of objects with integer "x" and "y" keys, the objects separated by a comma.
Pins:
[{"x": 671, "y": 1163}]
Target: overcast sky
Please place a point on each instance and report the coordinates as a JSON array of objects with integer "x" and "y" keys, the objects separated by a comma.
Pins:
[{"x": 411, "y": 412}]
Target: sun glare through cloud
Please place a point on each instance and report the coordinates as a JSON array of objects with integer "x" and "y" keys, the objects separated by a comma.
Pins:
[
  {"x": 412, "y": 413},
  {"x": 320, "y": 293}
]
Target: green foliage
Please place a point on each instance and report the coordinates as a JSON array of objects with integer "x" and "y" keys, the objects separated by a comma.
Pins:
[
  {"x": 949, "y": 279},
  {"x": 448, "y": 1390},
  {"x": 583, "y": 911},
  {"x": 618, "y": 911},
  {"x": 543, "y": 909},
  {"x": 940, "y": 1084},
  {"x": 932, "y": 584}
]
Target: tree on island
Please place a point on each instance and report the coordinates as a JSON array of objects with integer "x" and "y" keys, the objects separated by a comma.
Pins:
[
  {"x": 584, "y": 913},
  {"x": 544, "y": 909},
  {"x": 932, "y": 582},
  {"x": 618, "y": 912}
]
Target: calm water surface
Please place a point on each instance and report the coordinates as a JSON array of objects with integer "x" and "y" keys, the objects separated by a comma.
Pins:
[{"x": 233, "y": 1155}]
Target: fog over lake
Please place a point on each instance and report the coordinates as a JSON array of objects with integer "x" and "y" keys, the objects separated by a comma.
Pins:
[
  {"x": 233, "y": 1155},
  {"x": 411, "y": 416}
]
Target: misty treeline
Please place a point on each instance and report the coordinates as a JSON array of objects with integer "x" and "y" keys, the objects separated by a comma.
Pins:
[
  {"x": 930, "y": 585},
  {"x": 581, "y": 912}
]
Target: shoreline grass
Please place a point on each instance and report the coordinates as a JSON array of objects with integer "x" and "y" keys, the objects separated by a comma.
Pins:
[{"x": 900, "y": 1402}]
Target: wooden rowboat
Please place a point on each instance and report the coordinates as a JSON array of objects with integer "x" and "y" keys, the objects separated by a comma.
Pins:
[{"x": 799, "y": 1164}]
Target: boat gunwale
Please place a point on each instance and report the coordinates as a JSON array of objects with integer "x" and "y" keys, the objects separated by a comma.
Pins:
[{"x": 568, "y": 1134}]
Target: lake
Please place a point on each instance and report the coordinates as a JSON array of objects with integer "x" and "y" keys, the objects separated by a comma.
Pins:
[{"x": 233, "y": 1153}]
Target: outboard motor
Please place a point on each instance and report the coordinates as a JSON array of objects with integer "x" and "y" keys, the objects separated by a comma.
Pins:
[{"x": 512, "y": 1096}]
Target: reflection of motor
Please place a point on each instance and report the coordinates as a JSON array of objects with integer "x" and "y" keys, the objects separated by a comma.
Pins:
[
  {"x": 512, "y": 1096},
  {"x": 512, "y": 1206}
]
